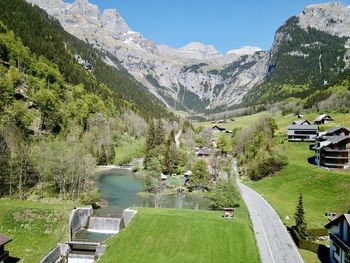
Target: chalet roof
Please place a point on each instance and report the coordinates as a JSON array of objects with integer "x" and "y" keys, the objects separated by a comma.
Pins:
[
  {"x": 333, "y": 140},
  {"x": 335, "y": 129},
  {"x": 219, "y": 128},
  {"x": 203, "y": 151},
  {"x": 337, "y": 139},
  {"x": 4, "y": 240},
  {"x": 337, "y": 218},
  {"x": 302, "y": 127},
  {"x": 301, "y": 122},
  {"x": 323, "y": 116}
]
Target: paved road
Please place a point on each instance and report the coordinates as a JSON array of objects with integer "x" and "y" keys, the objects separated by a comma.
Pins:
[{"x": 274, "y": 242}]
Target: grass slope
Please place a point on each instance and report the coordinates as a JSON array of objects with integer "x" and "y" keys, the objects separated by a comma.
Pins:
[
  {"x": 35, "y": 227},
  {"x": 322, "y": 190},
  {"x": 168, "y": 235},
  {"x": 129, "y": 150}
]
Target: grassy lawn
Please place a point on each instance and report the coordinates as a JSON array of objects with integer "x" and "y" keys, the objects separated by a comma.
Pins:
[
  {"x": 168, "y": 235},
  {"x": 128, "y": 151},
  {"x": 309, "y": 257},
  {"x": 322, "y": 190},
  {"x": 35, "y": 227},
  {"x": 282, "y": 121}
]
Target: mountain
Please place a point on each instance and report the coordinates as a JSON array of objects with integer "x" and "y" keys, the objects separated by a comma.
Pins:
[
  {"x": 309, "y": 52},
  {"x": 195, "y": 77},
  {"x": 44, "y": 36}
]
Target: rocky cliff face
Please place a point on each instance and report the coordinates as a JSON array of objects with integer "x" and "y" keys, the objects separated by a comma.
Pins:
[{"x": 197, "y": 77}]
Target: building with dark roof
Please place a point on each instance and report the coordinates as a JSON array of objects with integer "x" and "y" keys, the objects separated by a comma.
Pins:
[
  {"x": 4, "y": 255},
  {"x": 335, "y": 131},
  {"x": 218, "y": 128},
  {"x": 302, "y": 132},
  {"x": 204, "y": 152},
  {"x": 322, "y": 119},
  {"x": 301, "y": 122},
  {"x": 339, "y": 233},
  {"x": 334, "y": 152}
]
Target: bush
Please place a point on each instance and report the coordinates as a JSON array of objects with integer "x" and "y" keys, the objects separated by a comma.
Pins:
[{"x": 224, "y": 194}]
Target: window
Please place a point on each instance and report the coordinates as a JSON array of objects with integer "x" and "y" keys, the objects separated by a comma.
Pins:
[{"x": 336, "y": 252}]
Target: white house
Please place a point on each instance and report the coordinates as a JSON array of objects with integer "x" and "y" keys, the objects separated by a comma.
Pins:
[{"x": 339, "y": 233}]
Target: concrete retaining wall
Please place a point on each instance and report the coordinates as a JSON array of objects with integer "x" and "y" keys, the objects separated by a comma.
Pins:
[
  {"x": 79, "y": 219},
  {"x": 53, "y": 256},
  {"x": 104, "y": 224},
  {"x": 127, "y": 216}
]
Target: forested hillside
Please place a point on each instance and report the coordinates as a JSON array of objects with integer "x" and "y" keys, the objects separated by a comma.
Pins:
[
  {"x": 45, "y": 36},
  {"x": 302, "y": 62},
  {"x": 58, "y": 119}
]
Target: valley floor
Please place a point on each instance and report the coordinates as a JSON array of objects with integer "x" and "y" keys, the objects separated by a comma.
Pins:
[{"x": 168, "y": 235}]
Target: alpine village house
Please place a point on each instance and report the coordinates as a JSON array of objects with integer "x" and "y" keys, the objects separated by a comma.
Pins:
[
  {"x": 4, "y": 255},
  {"x": 339, "y": 233},
  {"x": 332, "y": 148},
  {"x": 302, "y": 130}
]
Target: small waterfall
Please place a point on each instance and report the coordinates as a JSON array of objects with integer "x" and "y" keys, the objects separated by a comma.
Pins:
[{"x": 104, "y": 225}]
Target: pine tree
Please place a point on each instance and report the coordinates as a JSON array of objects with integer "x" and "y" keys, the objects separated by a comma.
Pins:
[
  {"x": 150, "y": 142},
  {"x": 160, "y": 133},
  {"x": 170, "y": 154},
  {"x": 299, "y": 216}
]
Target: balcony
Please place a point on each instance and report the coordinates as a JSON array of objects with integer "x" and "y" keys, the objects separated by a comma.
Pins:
[
  {"x": 343, "y": 244},
  {"x": 335, "y": 165},
  {"x": 342, "y": 150},
  {"x": 335, "y": 157}
]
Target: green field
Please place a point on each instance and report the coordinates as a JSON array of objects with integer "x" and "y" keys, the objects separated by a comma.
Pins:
[
  {"x": 282, "y": 121},
  {"x": 168, "y": 235},
  {"x": 322, "y": 190},
  {"x": 129, "y": 150},
  {"x": 35, "y": 227}
]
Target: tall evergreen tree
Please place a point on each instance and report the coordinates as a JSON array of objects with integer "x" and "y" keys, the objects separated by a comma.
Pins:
[
  {"x": 150, "y": 142},
  {"x": 299, "y": 216},
  {"x": 4, "y": 164},
  {"x": 170, "y": 154},
  {"x": 160, "y": 133}
]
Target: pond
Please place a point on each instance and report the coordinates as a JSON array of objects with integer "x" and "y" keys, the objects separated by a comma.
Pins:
[{"x": 120, "y": 189}]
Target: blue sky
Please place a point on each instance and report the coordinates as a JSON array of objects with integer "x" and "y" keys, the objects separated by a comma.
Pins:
[{"x": 226, "y": 24}]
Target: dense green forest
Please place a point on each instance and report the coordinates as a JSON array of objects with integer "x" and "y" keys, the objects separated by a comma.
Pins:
[
  {"x": 58, "y": 120},
  {"x": 45, "y": 36}
]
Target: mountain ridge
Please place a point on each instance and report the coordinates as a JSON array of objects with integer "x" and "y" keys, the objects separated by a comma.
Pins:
[{"x": 196, "y": 77}]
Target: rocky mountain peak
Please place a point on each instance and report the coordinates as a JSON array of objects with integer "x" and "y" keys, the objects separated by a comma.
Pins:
[
  {"x": 245, "y": 50},
  {"x": 332, "y": 18},
  {"x": 113, "y": 22},
  {"x": 85, "y": 8}
]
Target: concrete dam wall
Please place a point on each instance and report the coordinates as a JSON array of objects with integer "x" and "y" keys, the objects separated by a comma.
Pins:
[{"x": 104, "y": 224}]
